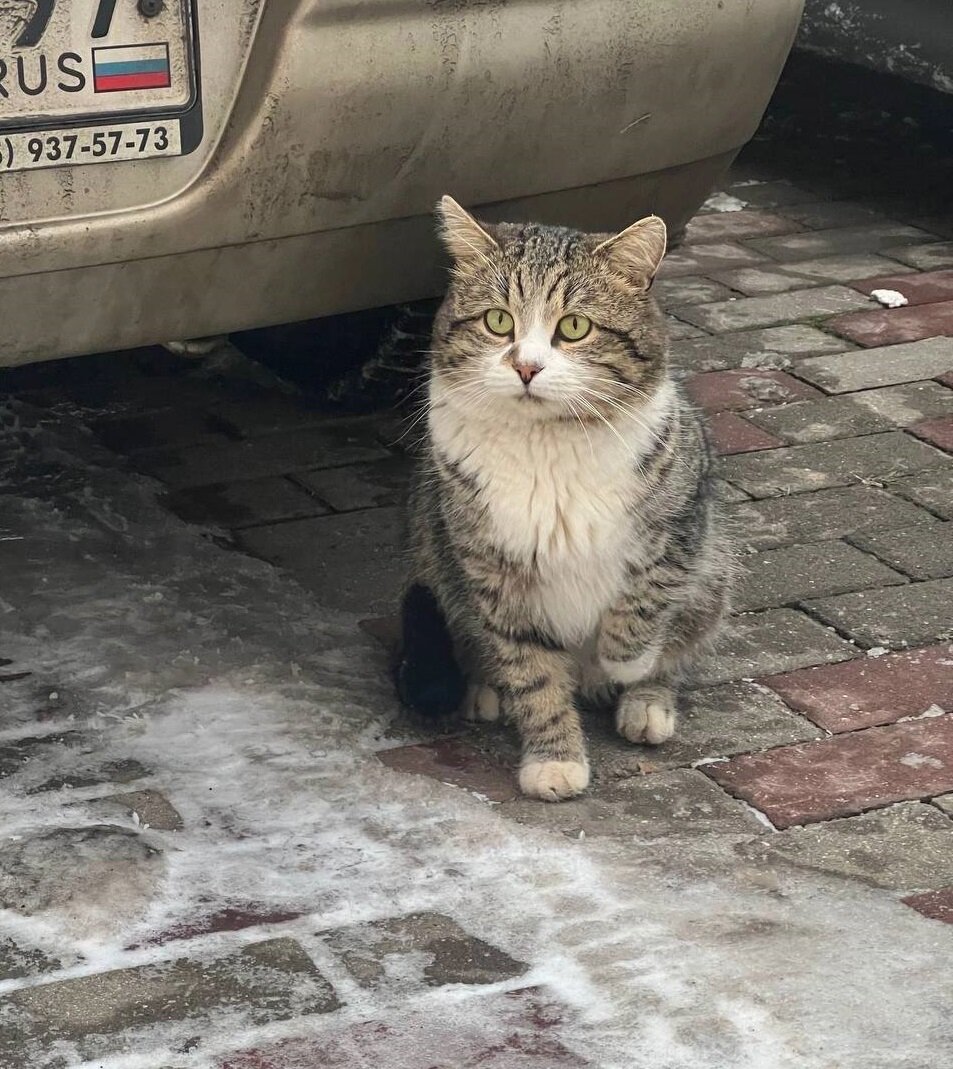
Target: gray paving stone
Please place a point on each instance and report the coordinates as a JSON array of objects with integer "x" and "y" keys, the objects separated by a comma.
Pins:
[
  {"x": 727, "y": 493},
  {"x": 922, "y": 552},
  {"x": 679, "y": 804},
  {"x": 826, "y": 215},
  {"x": 747, "y": 312},
  {"x": 153, "y": 809},
  {"x": 932, "y": 490},
  {"x": 944, "y": 803},
  {"x": 923, "y": 257},
  {"x": 329, "y": 445},
  {"x": 821, "y": 516},
  {"x": 906, "y": 847},
  {"x": 709, "y": 227},
  {"x": 771, "y": 193},
  {"x": 17, "y": 961},
  {"x": 106, "y": 864},
  {"x": 866, "y": 412},
  {"x": 895, "y": 617},
  {"x": 785, "y": 576},
  {"x": 882, "y": 366},
  {"x": 774, "y": 347},
  {"x": 435, "y": 951},
  {"x": 717, "y": 721},
  {"x": 839, "y": 241},
  {"x": 363, "y": 486},
  {"x": 779, "y": 278},
  {"x": 845, "y": 462},
  {"x": 266, "y": 415},
  {"x": 152, "y": 430},
  {"x": 765, "y": 643},
  {"x": 352, "y": 562},
  {"x": 702, "y": 259},
  {"x": 677, "y": 330},
  {"x": 688, "y": 289},
  {"x": 244, "y": 504},
  {"x": 63, "y": 759},
  {"x": 107, "y": 1013}
]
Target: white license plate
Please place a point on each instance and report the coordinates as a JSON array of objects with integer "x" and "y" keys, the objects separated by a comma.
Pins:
[{"x": 96, "y": 81}]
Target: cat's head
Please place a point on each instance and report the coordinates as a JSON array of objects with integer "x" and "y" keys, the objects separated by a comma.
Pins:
[{"x": 545, "y": 323}]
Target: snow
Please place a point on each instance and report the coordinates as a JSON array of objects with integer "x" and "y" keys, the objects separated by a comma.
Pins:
[
  {"x": 258, "y": 714},
  {"x": 724, "y": 202},
  {"x": 889, "y": 298}
]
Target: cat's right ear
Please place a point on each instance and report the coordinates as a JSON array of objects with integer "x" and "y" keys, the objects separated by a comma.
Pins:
[{"x": 463, "y": 237}]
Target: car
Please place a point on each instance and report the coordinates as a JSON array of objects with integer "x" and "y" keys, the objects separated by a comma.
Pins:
[
  {"x": 912, "y": 39},
  {"x": 177, "y": 168}
]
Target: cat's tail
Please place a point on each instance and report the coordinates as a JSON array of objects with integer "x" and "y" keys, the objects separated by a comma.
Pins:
[{"x": 429, "y": 680}]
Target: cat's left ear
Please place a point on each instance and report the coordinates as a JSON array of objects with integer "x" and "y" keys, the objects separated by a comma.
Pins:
[{"x": 638, "y": 250}]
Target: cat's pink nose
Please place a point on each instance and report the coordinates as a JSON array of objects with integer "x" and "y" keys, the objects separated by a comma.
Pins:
[{"x": 527, "y": 372}]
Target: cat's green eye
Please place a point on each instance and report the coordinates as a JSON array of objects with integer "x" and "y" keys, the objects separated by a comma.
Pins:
[
  {"x": 573, "y": 327},
  {"x": 499, "y": 321}
]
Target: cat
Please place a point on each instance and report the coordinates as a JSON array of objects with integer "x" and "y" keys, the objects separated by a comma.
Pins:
[{"x": 563, "y": 531}]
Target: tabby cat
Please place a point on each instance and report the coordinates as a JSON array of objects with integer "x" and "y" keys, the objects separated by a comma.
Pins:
[{"x": 564, "y": 537}]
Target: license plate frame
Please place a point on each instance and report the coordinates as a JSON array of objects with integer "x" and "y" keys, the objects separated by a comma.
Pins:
[{"x": 177, "y": 102}]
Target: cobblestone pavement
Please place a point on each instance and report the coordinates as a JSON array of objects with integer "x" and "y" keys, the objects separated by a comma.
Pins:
[{"x": 816, "y": 746}]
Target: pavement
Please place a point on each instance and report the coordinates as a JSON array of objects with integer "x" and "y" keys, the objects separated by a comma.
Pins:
[{"x": 225, "y": 846}]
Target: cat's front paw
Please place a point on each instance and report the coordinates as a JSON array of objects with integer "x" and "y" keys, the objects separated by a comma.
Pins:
[
  {"x": 480, "y": 703},
  {"x": 646, "y": 715},
  {"x": 552, "y": 781}
]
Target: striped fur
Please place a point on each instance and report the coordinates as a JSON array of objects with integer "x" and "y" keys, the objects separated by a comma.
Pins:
[{"x": 564, "y": 524}]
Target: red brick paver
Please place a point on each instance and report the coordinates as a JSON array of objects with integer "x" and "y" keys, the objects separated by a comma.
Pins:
[
  {"x": 730, "y": 433},
  {"x": 738, "y": 389},
  {"x": 937, "y": 905},
  {"x": 870, "y": 690},
  {"x": 838, "y": 777},
  {"x": 946, "y": 379},
  {"x": 892, "y": 325},
  {"x": 453, "y": 761},
  {"x": 918, "y": 289},
  {"x": 938, "y": 432}
]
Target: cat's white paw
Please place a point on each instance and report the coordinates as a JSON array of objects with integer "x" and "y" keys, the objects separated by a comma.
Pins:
[
  {"x": 646, "y": 716},
  {"x": 552, "y": 781},
  {"x": 481, "y": 703}
]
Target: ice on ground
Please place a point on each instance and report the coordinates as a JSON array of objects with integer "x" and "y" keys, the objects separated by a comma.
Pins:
[
  {"x": 257, "y": 713},
  {"x": 724, "y": 202},
  {"x": 889, "y": 298}
]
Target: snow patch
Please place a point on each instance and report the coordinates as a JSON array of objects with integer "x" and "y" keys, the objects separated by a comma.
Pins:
[{"x": 889, "y": 298}]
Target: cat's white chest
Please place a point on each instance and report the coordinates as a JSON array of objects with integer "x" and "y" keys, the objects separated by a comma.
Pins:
[{"x": 561, "y": 503}]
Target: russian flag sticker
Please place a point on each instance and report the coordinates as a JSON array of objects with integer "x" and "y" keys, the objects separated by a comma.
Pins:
[{"x": 124, "y": 67}]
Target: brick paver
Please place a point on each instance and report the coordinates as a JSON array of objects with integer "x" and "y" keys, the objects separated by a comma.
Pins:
[
  {"x": 896, "y": 616},
  {"x": 840, "y": 463},
  {"x": 847, "y": 774},
  {"x": 865, "y": 412},
  {"x": 747, "y": 312},
  {"x": 821, "y": 516},
  {"x": 893, "y": 325},
  {"x": 924, "y": 257},
  {"x": 938, "y": 432},
  {"x": 770, "y": 348},
  {"x": 786, "y": 576},
  {"x": 736, "y": 226},
  {"x": 737, "y": 390},
  {"x": 927, "y": 288},
  {"x": 906, "y": 847},
  {"x": 839, "y": 241},
  {"x": 245, "y": 504},
  {"x": 455, "y": 762},
  {"x": 869, "y": 691},
  {"x": 922, "y": 552},
  {"x": 702, "y": 259},
  {"x": 728, "y": 433},
  {"x": 932, "y": 490},
  {"x": 937, "y": 905},
  {"x": 884, "y": 366},
  {"x": 274, "y": 980},
  {"x": 780, "y": 278},
  {"x": 689, "y": 289}
]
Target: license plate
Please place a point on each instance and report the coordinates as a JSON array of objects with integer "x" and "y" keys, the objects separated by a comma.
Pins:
[{"x": 97, "y": 81}]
